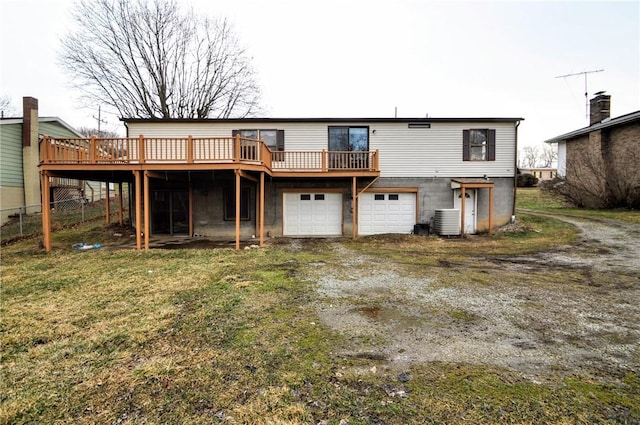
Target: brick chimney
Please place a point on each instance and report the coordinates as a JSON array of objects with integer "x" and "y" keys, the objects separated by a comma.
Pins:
[
  {"x": 30, "y": 153},
  {"x": 600, "y": 107},
  {"x": 29, "y": 119}
]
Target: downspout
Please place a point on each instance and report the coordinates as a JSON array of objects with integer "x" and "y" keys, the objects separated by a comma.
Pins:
[{"x": 515, "y": 175}]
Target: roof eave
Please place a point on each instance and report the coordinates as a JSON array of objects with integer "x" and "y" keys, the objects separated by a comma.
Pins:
[
  {"x": 317, "y": 120},
  {"x": 614, "y": 122}
]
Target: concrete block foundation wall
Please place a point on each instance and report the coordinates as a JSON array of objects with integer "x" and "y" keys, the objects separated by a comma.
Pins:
[{"x": 433, "y": 193}]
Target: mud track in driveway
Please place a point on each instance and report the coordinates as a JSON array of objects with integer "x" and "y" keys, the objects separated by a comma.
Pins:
[
  {"x": 604, "y": 246},
  {"x": 575, "y": 310}
]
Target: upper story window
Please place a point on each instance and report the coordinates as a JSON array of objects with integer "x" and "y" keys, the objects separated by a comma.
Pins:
[
  {"x": 344, "y": 139},
  {"x": 274, "y": 139},
  {"x": 479, "y": 145}
]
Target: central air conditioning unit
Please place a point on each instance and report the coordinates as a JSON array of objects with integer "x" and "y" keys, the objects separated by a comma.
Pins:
[{"x": 447, "y": 222}]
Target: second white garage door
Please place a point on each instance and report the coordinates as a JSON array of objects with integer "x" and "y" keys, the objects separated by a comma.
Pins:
[
  {"x": 386, "y": 213},
  {"x": 312, "y": 214}
]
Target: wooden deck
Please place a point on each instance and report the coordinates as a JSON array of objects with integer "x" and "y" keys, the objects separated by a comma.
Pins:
[
  {"x": 139, "y": 159},
  {"x": 190, "y": 153}
]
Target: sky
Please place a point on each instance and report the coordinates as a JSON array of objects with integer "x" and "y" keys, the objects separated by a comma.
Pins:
[{"x": 372, "y": 58}]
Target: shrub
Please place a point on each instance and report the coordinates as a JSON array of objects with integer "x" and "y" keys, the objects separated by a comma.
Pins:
[{"x": 527, "y": 180}]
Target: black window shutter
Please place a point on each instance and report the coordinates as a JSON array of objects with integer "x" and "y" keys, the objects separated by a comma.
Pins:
[
  {"x": 280, "y": 140},
  {"x": 234, "y": 133},
  {"x": 466, "y": 145},
  {"x": 491, "y": 143}
]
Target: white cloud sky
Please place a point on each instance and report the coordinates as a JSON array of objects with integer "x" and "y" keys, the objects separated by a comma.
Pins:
[{"x": 365, "y": 58}]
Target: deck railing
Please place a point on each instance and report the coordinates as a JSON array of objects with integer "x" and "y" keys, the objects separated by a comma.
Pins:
[
  {"x": 324, "y": 161},
  {"x": 190, "y": 150}
]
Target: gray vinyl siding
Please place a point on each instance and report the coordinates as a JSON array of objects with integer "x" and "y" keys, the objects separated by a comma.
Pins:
[
  {"x": 404, "y": 152},
  {"x": 52, "y": 128},
  {"x": 437, "y": 151},
  {"x": 11, "y": 155}
]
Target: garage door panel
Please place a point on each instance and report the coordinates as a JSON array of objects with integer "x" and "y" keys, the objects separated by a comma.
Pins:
[
  {"x": 386, "y": 213},
  {"x": 315, "y": 214}
]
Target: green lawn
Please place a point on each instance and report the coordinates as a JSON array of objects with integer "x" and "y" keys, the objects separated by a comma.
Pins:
[
  {"x": 535, "y": 199},
  {"x": 208, "y": 336}
]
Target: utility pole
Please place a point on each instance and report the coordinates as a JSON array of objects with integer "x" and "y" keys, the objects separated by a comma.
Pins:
[
  {"x": 100, "y": 120},
  {"x": 586, "y": 92}
]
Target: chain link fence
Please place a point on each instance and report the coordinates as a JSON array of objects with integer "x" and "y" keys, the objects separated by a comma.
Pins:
[{"x": 26, "y": 221}]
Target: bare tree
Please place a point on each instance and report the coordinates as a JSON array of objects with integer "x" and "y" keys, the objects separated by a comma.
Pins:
[
  {"x": 152, "y": 59},
  {"x": 528, "y": 157},
  {"x": 89, "y": 131},
  {"x": 111, "y": 144},
  {"x": 548, "y": 156},
  {"x": 6, "y": 107}
]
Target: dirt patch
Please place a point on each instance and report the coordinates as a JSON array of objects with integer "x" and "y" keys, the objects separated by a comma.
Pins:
[{"x": 538, "y": 327}]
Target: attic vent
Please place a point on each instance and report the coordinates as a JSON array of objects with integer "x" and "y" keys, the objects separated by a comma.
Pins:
[{"x": 419, "y": 125}]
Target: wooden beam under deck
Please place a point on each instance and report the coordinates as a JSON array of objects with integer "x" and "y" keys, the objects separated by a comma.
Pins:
[
  {"x": 261, "y": 209},
  {"x": 325, "y": 174},
  {"x": 58, "y": 167},
  {"x": 120, "y": 204},
  {"x": 463, "y": 204},
  {"x": 247, "y": 176},
  {"x": 147, "y": 212},
  {"x": 138, "y": 190},
  {"x": 491, "y": 210},
  {"x": 354, "y": 214},
  {"x": 237, "y": 209},
  {"x": 46, "y": 211},
  {"x": 190, "y": 209},
  {"x": 107, "y": 205}
]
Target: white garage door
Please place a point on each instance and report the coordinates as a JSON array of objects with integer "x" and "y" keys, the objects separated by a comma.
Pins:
[
  {"x": 312, "y": 214},
  {"x": 386, "y": 213}
]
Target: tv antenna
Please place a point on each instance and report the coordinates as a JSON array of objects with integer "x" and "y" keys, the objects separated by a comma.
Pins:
[{"x": 586, "y": 92}]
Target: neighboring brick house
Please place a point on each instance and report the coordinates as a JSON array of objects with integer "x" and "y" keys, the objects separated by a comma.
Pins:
[{"x": 600, "y": 162}]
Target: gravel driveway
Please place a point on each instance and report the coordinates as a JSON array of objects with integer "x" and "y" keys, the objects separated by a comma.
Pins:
[{"x": 539, "y": 326}]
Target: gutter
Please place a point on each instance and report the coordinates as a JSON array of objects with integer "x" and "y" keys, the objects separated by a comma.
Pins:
[{"x": 515, "y": 176}]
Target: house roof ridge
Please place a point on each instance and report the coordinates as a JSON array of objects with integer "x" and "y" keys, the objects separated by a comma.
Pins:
[{"x": 19, "y": 120}]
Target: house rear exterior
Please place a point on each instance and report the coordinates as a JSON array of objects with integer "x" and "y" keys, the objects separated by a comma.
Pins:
[{"x": 304, "y": 177}]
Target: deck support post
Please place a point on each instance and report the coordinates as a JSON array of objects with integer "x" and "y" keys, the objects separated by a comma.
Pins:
[
  {"x": 262, "y": 209},
  {"x": 190, "y": 209},
  {"x": 107, "y": 207},
  {"x": 121, "y": 204},
  {"x": 491, "y": 210},
  {"x": 354, "y": 209},
  {"x": 237, "y": 209},
  {"x": 147, "y": 212},
  {"x": 463, "y": 203},
  {"x": 138, "y": 190},
  {"x": 46, "y": 211},
  {"x": 257, "y": 231}
]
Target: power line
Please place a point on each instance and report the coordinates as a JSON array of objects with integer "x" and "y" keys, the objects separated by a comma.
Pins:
[{"x": 586, "y": 92}]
